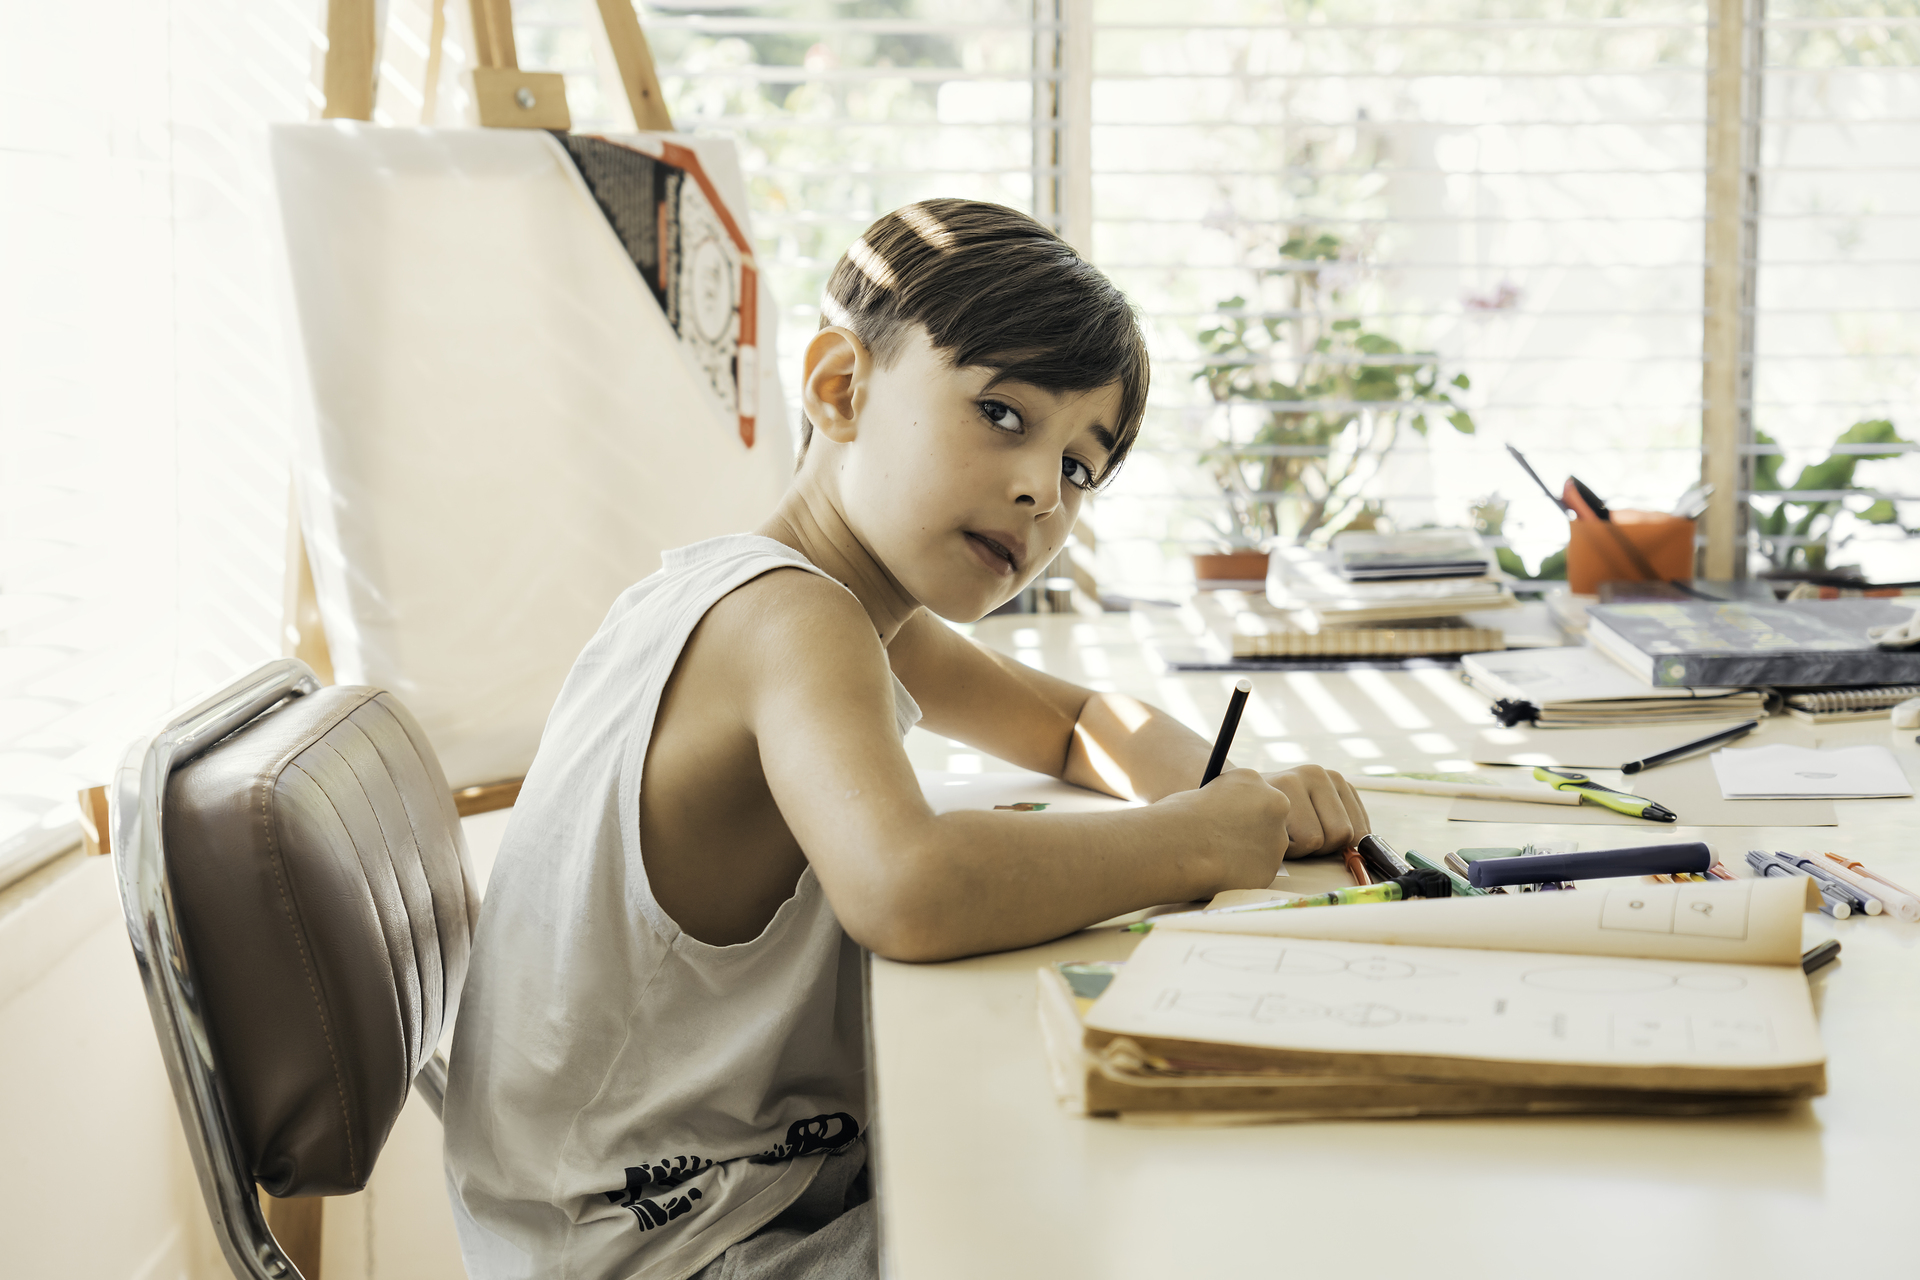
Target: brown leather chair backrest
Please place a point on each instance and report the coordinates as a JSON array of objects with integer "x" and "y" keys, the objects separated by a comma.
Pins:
[{"x": 325, "y": 903}]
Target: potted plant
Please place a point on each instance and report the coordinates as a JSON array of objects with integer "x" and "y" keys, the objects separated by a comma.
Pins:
[
  {"x": 1796, "y": 536},
  {"x": 1309, "y": 402}
]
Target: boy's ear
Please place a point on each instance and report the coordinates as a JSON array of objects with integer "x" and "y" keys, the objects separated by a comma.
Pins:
[{"x": 833, "y": 383}]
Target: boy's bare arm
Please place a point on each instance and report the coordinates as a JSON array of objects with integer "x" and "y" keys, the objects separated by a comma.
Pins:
[
  {"x": 1104, "y": 741},
  {"x": 909, "y": 884}
]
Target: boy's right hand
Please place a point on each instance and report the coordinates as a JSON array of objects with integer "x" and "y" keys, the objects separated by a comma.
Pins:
[{"x": 1245, "y": 821}]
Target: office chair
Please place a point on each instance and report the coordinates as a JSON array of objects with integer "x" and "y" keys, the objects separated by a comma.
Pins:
[{"x": 300, "y": 903}]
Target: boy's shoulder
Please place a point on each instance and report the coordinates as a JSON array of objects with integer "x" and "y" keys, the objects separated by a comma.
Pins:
[{"x": 790, "y": 615}]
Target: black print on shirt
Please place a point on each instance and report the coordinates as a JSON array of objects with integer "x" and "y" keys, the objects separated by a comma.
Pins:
[
  {"x": 664, "y": 1176},
  {"x": 806, "y": 1137}
]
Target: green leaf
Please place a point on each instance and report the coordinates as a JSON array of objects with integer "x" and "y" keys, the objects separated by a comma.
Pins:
[
  {"x": 1873, "y": 431},
  {"x": 1462, "y": 422},
  {"x": 1766, "y": 466},
  {"x": 1881, "y": 512},
  {"x": 1460, "y": 380}
]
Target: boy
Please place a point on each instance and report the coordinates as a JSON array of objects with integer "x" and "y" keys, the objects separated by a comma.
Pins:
[{"x": 657, "y": 1068}]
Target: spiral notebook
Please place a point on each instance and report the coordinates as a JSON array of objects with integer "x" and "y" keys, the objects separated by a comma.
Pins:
[{"x": 1828, "y": 705}]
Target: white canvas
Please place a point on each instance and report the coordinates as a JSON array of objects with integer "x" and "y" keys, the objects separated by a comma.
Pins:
[{"x": 505, "y": 432}]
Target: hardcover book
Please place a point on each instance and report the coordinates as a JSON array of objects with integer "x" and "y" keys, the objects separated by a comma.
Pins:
[{"x": 1741, "y": 642}]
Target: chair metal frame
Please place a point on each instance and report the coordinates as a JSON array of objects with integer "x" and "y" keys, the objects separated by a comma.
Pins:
[{"x": 135, "y": 814}]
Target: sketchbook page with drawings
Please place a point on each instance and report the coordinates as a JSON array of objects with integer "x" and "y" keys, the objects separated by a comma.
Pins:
[{"x": 1450, "y": 1013}]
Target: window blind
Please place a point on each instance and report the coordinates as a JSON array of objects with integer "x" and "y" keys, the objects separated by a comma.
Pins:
[
  {"x": 1350, "y": 221},
  {"x": 143, "y": 492},
  {"x": 1836, "y": 332}
]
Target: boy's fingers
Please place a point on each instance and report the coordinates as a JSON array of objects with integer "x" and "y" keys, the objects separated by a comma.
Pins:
[
  {"x": 1350, "y": 799},
  {"x": 1336, "y": 825}
]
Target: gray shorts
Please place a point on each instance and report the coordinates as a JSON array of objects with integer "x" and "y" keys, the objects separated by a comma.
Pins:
[{"x": 827, "y": 1234}]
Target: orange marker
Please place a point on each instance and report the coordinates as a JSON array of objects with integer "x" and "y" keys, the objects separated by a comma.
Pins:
[{"x": 1356, "y": 868}]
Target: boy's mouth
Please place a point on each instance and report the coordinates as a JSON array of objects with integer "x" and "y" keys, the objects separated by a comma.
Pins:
[{"x": 1001, "y": 554}]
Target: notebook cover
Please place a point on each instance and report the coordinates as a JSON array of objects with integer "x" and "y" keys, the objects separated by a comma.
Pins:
[{"x": 1737, "y": 642}]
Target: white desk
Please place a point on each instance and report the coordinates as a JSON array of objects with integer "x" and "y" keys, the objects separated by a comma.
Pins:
[{"x": 983, "y": 1175}]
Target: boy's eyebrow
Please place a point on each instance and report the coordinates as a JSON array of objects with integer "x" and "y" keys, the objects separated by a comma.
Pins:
[{"x": 1107, "y": 439}]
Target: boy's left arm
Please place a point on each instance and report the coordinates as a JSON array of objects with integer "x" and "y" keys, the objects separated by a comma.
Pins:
[{"x": 1104, "y": 741}]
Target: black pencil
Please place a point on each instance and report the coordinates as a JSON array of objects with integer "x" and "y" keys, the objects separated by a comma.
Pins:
[
  {"x": 1688, "y": 748},
  {"x": 1228, "y": 727}
]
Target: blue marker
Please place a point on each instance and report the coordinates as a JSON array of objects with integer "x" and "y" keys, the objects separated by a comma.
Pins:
[
  {"x": 1766, "y": 864},
  {"x": 1539, "y": 868}
]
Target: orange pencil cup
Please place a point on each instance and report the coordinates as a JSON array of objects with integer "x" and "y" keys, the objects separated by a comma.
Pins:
[{"x": 1635, "y": 546}]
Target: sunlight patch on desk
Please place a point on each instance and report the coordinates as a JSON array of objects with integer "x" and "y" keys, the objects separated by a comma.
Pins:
[
  {"x": 1361, "y": 748},
  {"x": 1389, "y": 699},
  {"x": 1176, "y": 700},
  {"x": 1469, "y": 706},
  {"x": 1093, "y": 661},
  {"x": 1260, "y": 716},
  {"x": 1286, "y": 753},
  {"x": 1437, "y": 743},
  {"x": 967, "y": 762},
  {"x": 1031, "y": 657},
  {"x": 1326, "y": 708}
]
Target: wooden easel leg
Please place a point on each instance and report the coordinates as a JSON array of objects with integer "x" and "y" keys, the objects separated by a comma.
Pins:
[{"x": 296, "y": 1223}]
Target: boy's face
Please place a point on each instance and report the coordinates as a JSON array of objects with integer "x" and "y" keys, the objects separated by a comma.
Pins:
[{"x": 965, "y": 491}]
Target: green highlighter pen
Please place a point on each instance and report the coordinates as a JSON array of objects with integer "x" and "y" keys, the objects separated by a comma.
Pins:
[
  {"x": 1415, "y": 884},
  {"x": 1606, "y": 797}
]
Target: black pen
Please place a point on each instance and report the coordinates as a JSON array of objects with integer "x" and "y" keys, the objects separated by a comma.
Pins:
[
  {"x": 1814, "y": 957},
  {"x": 1228, "y": 727},
  {"x": 1688, "y": 748}
]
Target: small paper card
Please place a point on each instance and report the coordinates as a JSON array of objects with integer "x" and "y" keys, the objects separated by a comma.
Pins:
[{"x": 1783, "y": 772}]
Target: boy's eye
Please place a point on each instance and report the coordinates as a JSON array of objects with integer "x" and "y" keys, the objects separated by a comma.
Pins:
[
  {"x": 1002, "y": 415},
  {"x": 1076, "y": 473}
]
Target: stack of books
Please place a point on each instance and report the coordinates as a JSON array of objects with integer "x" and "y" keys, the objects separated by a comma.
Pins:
[
  {"x": 1659, "y": 999},
  {"x": 1315, "y": 587},
  {"x": 1425, "y": 553},
  {"x": 1576, "y": 687}
]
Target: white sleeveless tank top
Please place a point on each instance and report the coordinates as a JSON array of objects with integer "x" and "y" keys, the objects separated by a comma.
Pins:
[{"x": 623, "y": 1099}]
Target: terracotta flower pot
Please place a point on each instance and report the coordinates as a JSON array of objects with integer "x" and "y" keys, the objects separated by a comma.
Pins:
[{"x": 1233, "y": 566}]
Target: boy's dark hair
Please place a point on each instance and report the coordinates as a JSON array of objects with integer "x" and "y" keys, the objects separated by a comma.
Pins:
[{"x": 994, "y": 289}]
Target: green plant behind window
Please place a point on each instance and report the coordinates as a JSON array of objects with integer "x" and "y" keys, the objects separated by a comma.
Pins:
[
  {"x": 1796, "y": 535},
  {"x": 1328, "y": 395}
]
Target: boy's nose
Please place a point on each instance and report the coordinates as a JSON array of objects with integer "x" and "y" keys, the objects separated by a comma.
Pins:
[{"x": 1038, "y": 491}]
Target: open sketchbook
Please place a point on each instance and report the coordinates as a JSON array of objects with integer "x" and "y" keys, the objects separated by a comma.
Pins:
[{"x": 1609, "y": 996}]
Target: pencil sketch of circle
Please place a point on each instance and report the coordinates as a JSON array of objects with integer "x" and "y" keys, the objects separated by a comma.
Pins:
[
  {"x": 1368, "y": 1015},
  {"x": 1713, "y": 982},
  {"x": 1380, "y": 967},
  {"x": 1287, "y": 1009},
  {"x": 1599, "y": 980},
  {"x": 1293, "y": 962}
]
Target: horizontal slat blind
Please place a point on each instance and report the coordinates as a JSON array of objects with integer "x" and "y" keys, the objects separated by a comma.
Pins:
[
  {"x": 1837, "y": 308},
  {"x": 1518, "y": 194},
  {"x": 144, "y": 389}
]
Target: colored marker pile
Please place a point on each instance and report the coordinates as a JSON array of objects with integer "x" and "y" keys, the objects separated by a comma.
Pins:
[{"x": 1847, "y": 887}]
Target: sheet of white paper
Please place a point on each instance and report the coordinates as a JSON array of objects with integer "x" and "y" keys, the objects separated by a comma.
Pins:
[
  {"x": 1685, "y": 786},
  {"x": 1781, "y": 770},
  {"x": 1343, "y": 997}
]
